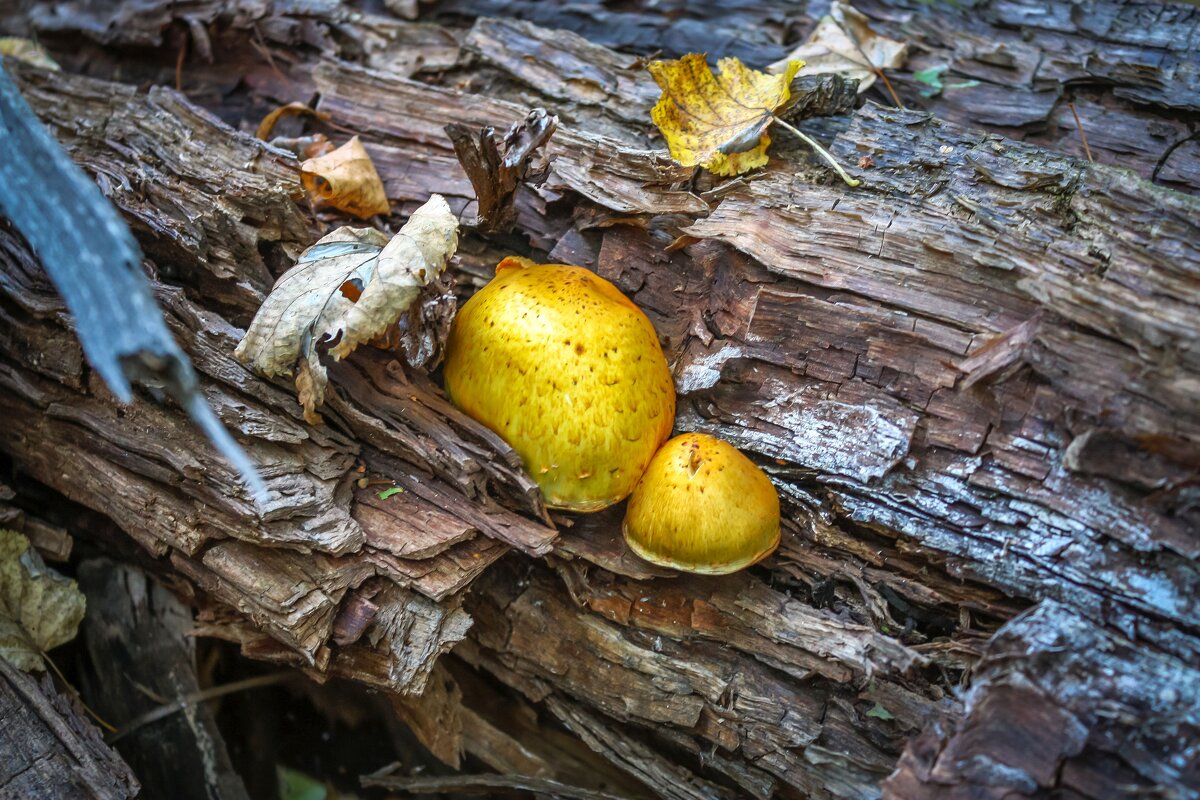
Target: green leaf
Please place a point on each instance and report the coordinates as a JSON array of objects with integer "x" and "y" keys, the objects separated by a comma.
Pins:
[
  {"x": 879, "y": 712},
  {"x": 386, "y": 493},
  {"x": 295, "y": 785},
  {"x": 932, "y": 78},
  {"x": 39, "y": 609}
]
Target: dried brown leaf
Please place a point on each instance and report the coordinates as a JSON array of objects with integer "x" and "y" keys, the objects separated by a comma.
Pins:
[
  {"x": 290, "y": 110},
  {"x": 346, "y": 180}
]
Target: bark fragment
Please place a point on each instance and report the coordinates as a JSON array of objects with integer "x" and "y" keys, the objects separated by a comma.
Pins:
[{"x": 496, "y": 167}]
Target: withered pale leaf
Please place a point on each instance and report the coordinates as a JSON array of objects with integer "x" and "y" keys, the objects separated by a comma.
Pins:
[
  {"x": 346, "y": 180},
  {"x": 346, "y": 289},
  {"x": 39, "y": 608},
  {"x": 718, "y": 121},
  {"x": 844, "y": 42}
]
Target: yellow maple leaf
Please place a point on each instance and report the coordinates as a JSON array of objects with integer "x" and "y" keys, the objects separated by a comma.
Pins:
[{"x": 718, "y": 121}]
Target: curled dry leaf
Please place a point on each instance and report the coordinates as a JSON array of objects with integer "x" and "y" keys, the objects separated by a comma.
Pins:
[
  {"x": 39, "y": 609},
  {"x": 290, "y": 110},
  {"x": 28, "y": 51},
  {"x": 346, "y": 180},
  {"x": 718, "y": 121},
  {"x": 843, "y": 42},
  {"x": 346, "y": 289}
]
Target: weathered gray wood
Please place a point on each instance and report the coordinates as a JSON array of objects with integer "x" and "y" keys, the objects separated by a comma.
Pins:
[
  {"x": 840, "y": 355},
  {"x": 1031, "y": 723}
]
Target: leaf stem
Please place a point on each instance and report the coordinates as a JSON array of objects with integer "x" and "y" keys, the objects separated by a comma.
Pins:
[
  {"x": 1079, "y": 127},
  {"x": 821, "y": 151}
]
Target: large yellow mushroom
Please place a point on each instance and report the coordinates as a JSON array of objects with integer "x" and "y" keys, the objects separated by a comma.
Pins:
[
  {"x": 570, "y": 373},
  {"x": 702, "y": 506}
]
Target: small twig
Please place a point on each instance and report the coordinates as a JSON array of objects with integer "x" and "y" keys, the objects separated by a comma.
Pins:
[
  {"x": 821, "y": 151},
  {"x": 888, "y": 84},
  {"x": 1083, "y": 136},
  {"x": 161, "y": 699},
  {"x": 364, "y": 483},
  {"x": 481, "y": 784},
  {"x": 195, "y": 698},
  {"x": 260, "y": 45},
  {"x": 179, "y": 63}
]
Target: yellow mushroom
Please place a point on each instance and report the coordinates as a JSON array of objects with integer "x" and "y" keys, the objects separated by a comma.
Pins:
[
  {"x": 702, "y": 506},
  {"x": 569, "y": 372}
]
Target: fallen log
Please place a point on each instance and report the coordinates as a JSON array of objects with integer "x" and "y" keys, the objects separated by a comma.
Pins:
[{"x": 973, "y": 380}]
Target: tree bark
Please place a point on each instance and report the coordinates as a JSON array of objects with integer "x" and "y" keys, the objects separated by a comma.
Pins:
[{"x": 975, "y": 381}]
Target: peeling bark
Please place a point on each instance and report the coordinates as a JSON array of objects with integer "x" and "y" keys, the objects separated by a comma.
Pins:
[{"x": 165, "y": 488}]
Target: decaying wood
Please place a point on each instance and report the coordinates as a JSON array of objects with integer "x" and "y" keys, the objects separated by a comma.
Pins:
[
  {"x": 489, "y": 784},
  {"x": 975, "y": 381},
  {"x": 48, "y": 750},
  {"x": 497, "y": 166},
  {"x": 94, "y": 262},
  {"x": 168, "y": 491},
  {"x": 52, "y": 542}
]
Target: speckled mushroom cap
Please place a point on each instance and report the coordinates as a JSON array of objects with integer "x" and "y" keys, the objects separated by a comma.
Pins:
[
  {"x": 702, "y": 506},
  {"x": 570, "y": 373}
]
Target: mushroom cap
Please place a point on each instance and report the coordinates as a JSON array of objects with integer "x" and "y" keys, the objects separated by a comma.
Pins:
[
  {"x": 569, "y": 372},
  {"x": 702, "y": 506}
]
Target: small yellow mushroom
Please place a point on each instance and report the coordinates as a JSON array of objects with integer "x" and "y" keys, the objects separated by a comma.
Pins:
[
  {"x": 570, "y": 373},
  {"x": 702, "y": 506}
]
